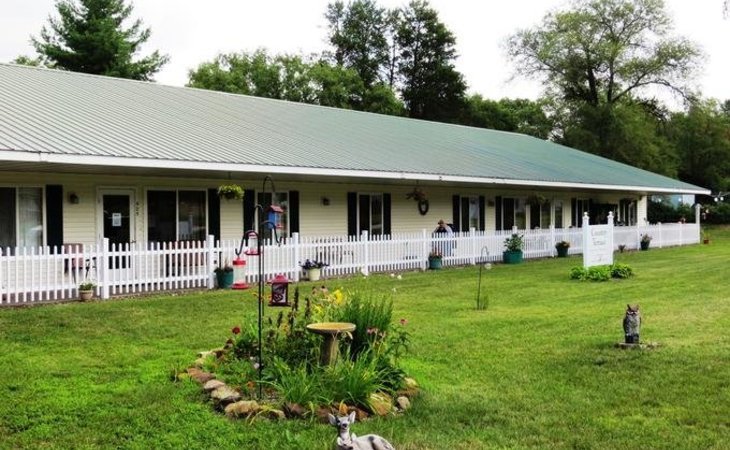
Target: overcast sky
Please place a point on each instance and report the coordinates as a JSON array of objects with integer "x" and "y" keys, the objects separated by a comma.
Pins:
[{"x": 192, "y": 31}]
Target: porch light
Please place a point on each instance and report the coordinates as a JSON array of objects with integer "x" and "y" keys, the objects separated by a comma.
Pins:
[
  {"x": 239, "y": 274},
  {"x": 279, "y": 291}
]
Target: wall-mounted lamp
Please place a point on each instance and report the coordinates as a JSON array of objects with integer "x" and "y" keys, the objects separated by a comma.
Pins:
[
  {"x": 325, "y": 201},
  {"x": 73, "y": 198}
]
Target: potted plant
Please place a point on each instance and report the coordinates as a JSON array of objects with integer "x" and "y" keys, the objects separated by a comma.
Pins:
[
  {"x": 313, "y": 269},
  {"x": 86, "y": 290},
  {"x": 644, "y": 242},
  {"x": 224, "y": 275},
  {"x": 705, "y": 237},
  {"x": 562, "y": 248},
  {"x": 435, "y": 259},
  {"x": 513, "y": 249},
  {"x": 230, "y": 191}
]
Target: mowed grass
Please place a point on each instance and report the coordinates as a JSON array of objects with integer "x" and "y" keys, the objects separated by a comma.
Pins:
[{"x": 537, "y": 369}]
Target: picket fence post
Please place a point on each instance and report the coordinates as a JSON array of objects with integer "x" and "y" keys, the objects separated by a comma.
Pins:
[
  {"x": 296, "y": 256},
  {"x": 366, "y": 252},
  {"x": 210, "y": 260},
  {"x": 104, "y": 268}
]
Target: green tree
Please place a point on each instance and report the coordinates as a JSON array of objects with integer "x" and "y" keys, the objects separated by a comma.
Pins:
[
  {"x": 517, "y": 115},
  {"x": 293, "y": 78},
  {"x": 358, "y": 35},
  {"x": 430, "y": 86},
  {"x": 89, "y": 36},
  {"x": 24, "y": 60},
  {"x": 596, "y": 60},
  {"x": 702, "y": 138},
  {"x": 603, "y": 51}
]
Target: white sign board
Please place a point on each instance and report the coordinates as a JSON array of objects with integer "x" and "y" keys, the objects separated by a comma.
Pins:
[
  {"x": 116, "y": 219},
  {"x": 597, "y": 243}
]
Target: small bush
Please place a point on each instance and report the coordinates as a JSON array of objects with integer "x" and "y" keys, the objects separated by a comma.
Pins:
[
  {"x": 578, "y": 273},
  {"x": 619, "y": 270},
  {"x": 370, "y": 313},
  {"x": 601, "y": 273}
]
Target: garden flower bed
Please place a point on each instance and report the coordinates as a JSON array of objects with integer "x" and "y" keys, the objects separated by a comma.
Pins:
[{"x": 366, "y": 378}]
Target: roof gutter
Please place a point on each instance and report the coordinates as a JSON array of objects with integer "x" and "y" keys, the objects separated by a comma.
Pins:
[{"x": 116, "y": 161}]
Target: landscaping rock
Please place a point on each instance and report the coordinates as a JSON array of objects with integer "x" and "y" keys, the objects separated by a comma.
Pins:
[
  {"x": 199, "y": 375},
  {"x": 200, "y": 362},
  {"x": 242, "y": 408},
  {"x": 381, "y": 403},
  {"x": 403, "y": 402},
  {"x": 411, "y": 388},
  {"x": 225, "y": 395},
  {"x": 322, "y": 414},
  {"x": 294, "y": 410},
  {"x": 212, "y": 385},
  {"x": 204, "y": 354},
  {"x": 276, "y": 414}
]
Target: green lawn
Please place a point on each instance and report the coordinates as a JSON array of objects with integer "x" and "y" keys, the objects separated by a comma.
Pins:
[{"x": 536, "y": 370}]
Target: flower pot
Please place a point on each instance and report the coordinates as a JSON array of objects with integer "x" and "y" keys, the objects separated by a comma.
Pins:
[
  {"x": 512, "y": 256},
  {"x": 225, "y": 279},
  {"x": 434, "y": 263},
  {"x": 314, "y": 274},
  {"x": 644, "y": 245},
  {"x": 705, "y": 241},
  {"x": 562, "y": 251},
  {"x": 86, "y": 295}
]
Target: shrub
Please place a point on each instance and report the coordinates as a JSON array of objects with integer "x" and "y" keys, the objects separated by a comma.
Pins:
[
  {"x": 352, "y": 381},
  {"x": 514, "y": 243},
  {"x": 296, "y": 385},
  {"x": 601, "y": 273},
  {"x": 619, "y": 270},
  {"x": 370, "y": 313}
]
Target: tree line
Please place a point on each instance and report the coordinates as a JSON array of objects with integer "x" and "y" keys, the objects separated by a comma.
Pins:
[{"x": 601, "y": 63}]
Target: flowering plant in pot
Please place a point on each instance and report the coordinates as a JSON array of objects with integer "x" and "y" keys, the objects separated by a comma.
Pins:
[
  {"x": 230, "y": 191},
  {"x": 86, "y": 290},
  {"x": 562, "y": 248},
  {"x": 435, "y": 259},
  {"x": 313, "y": 268},
  {"x": 224, "y": 275},
  {"x": 644, "y": 242},
  {"x": 513, "y": 249}
]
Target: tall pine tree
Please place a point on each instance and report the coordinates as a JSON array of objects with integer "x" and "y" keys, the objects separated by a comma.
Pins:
[{"x": 90, "y": 37}]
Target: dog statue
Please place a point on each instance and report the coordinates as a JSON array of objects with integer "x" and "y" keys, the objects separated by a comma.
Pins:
[{"x": 347, "y": 440}]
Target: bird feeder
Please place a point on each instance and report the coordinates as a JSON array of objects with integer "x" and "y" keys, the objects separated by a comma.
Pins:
[
  {"x": 239, "y": 274},
  {"x": 252, "y": 241},
  {"x": 279, "y": 291},
  {"x": 273, "y": 217}
]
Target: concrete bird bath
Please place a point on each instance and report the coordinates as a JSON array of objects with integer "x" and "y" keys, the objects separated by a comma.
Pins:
[{"x": 330, "y": 331}]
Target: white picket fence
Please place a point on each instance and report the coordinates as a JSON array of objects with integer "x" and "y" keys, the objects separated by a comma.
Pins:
[{"x": 42, "y": 274}]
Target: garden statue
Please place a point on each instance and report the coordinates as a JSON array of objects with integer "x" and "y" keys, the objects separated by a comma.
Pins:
[
  {"x": 347, "y": 440},
  {"x": 632, "y": 324}
]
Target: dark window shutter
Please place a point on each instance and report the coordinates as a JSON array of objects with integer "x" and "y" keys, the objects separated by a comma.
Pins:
[
  {"x": 482, "y": 213},
  {"x": 214, "y": 214},
  {"x": 54, "y": 216},
  {"x": 534, "y": 216},
  {"x": 498, "y": 213},
  {"x": 249, "y": 209},
  {"x": 352, "y": 213},
  {"x": 456, "y": 208},
  {"x": 574, "y": 212},
  {"x": 386, "y": 214},
  {"x": 294, "y": 211}
]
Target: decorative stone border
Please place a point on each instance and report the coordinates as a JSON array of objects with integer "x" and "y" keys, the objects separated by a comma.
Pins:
[{"x": 230, "y": 401}]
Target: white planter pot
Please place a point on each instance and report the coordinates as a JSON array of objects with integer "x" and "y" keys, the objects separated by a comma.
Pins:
[{"x": 314, "y": 274}]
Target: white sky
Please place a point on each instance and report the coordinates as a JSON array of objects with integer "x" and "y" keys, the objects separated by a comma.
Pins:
[{"x": 193, "y": 31}]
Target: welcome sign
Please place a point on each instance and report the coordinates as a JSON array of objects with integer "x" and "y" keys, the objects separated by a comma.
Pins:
[{"x": 597, "y": 243}]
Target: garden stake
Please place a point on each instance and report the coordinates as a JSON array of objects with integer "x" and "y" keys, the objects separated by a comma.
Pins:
[{"x": 482, "y": 263}]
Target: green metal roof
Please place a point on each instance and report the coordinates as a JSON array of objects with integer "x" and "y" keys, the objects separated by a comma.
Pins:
[{"x": 63, "y": 113}]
